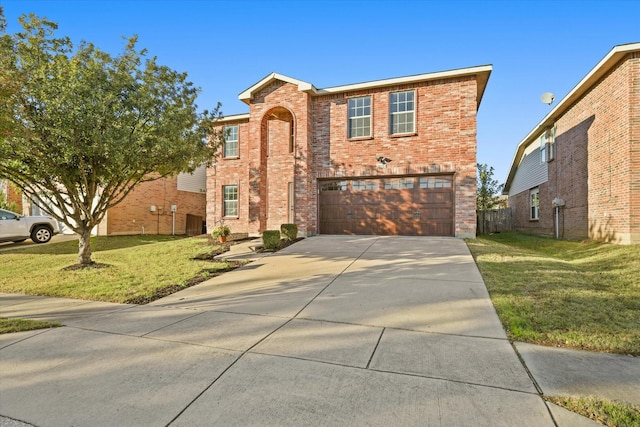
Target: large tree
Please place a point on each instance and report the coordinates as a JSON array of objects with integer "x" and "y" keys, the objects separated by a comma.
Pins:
[
  {"x": 81, "y": 128},
  {"x": 488, "y": 189}
]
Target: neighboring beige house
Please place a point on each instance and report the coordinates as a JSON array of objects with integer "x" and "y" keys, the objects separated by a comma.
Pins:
[
  {"x": 394, "y": 156},
  {"x": 577, "y": 174}
]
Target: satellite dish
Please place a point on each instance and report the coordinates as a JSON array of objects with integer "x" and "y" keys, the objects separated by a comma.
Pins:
[{"x": 547, "y": 98}]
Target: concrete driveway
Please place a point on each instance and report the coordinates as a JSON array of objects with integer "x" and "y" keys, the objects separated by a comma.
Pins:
[{"x": 332, "y": 331}]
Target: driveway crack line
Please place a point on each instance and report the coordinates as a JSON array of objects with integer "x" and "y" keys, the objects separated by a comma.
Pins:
[{"x": 376, "y": 347}]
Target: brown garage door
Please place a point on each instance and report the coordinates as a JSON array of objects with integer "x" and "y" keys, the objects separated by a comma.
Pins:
[{"x": 421, "y": 205}]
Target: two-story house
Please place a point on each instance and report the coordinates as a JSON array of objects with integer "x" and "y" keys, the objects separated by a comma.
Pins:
[
  {"x": 387, "y": 157},
  {"x": 576, "y": 175}
]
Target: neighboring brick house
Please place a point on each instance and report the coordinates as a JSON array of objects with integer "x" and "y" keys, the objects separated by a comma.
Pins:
[
  {"x": 148, "y": 208},
  {"x": 394, "y": 156},
  {"x": 577, "y": 174}
]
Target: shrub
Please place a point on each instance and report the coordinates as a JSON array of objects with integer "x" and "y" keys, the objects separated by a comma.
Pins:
[
  {"x": 289, "y": 231},
  {"x": 270, "y": 239}
]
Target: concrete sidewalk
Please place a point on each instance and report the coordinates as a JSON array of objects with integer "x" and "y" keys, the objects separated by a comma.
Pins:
[{"x": 334, "y": 330}]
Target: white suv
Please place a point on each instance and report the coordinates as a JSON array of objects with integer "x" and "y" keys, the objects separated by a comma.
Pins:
[{"x": 18, "y": 228}]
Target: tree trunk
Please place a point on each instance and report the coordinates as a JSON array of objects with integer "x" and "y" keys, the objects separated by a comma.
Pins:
[{"x": 84, "y": 248}]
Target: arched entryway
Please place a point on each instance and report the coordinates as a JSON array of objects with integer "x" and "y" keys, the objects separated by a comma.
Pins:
[{"x": 277, "y": 165}]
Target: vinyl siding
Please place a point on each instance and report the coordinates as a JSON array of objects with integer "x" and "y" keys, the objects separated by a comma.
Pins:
[
  {"x": 195, "y": 182},
  {"x": 531, "y": 171}
]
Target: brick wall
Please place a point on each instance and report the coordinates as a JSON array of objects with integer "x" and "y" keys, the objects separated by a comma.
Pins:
[
  {"x": 231, "y": 171},
  {"x": 132, "y": 215},
  {"x": 544, "y": 225},
  {"x": 595, "y": 166},
  {"x": 444, "y": 141}
]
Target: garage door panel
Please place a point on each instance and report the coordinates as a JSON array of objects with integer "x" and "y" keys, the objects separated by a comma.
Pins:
[
  {"x": 438, "y": 198},
  {"x": 435, "y": 214},
  {"x": 388, "y": 211}
]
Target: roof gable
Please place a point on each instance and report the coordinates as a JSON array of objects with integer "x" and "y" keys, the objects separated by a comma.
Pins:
[
  {"x": 481, "y": 72},
  {"x": 247, "y": 95}
]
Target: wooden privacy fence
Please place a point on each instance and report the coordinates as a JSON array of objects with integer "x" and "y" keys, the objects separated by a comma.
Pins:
[
  {"x": 194, "y": 225},
  {"x": 495, "y": 220}
]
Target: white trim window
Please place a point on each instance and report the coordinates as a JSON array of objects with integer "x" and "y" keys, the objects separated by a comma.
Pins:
[
  {"x": 402, "y": 112},
  {"x": 534, "y": 204},
  {"x": 230, "y": 148},
  {"x": 543, "y": 148},
  {"x": 230, "y": 200},
  {"x": 359, "y": 117}
]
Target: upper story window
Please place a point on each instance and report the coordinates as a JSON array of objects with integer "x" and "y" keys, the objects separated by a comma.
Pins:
[
  {"x": 359, "y": 117},
  {"x": 543, "y": 148},
  {"x": 402, "y": 112},
  {"x": 230, "y": 146},
  {"x": 534, "y": 203}
]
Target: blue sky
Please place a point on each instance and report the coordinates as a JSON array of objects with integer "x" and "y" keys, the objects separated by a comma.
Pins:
[{"x": 227, "y": 46}]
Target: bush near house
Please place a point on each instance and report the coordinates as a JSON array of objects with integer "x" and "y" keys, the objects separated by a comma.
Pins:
[
  {"x": 271, "y": 239},
  {"x": 289, "y": 231}
]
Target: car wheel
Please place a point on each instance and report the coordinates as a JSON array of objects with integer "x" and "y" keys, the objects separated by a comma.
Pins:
[
  {"x": 41, "y": 234},
  {"x": 19, "y": 241}
]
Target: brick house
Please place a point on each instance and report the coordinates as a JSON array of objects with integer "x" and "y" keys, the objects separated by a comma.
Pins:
[
  {"x": 577, "y": 174},
  {"x": 147, "y": 209},
  {"x": 393, "y": 156}
]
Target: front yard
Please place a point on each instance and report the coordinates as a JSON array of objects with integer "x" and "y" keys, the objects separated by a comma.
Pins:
[
  {"x": 583, "y": 295},
  {"x": 140, "y": 268}
]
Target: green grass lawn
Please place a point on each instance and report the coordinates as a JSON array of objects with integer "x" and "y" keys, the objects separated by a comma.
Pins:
[
  {"x": 139, "y": 266},
  {"x": 607, "y": 412},
  {"x": 583, "y": 295},
  {"x": 8, "y": 326}
]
